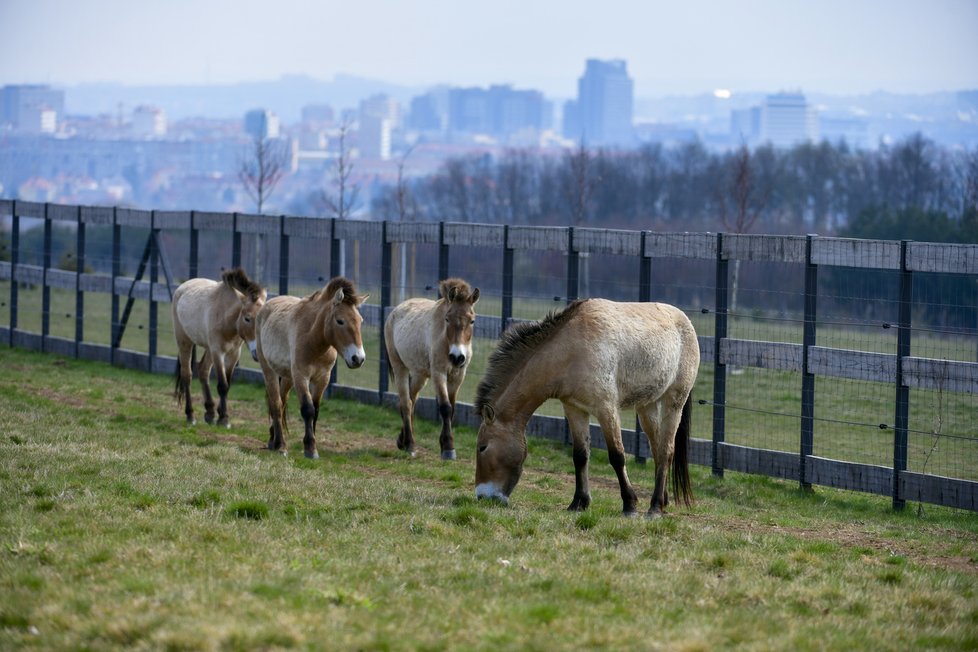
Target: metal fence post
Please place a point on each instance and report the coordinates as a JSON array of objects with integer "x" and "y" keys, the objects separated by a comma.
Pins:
[
  {"x": 154, "y": 274},
  {"x": 235, "y": 242},
  {"x": 45, "y": 288},
  {"x": 335, "y": 252},
  {"x": 644, "y": 295},
  {"x": 573, "y": 267},
  {"x": 14, "y": 262},
  {"x": 719, "y": 368},
  {"x": 507, "y": 308},
  {"x": 443, "y": 253},
  {"x": 808, "y": 378},
  {"x": 901, "y": 419},
  {"x": 283, "y": 257},
  {"x": 194, "y": 246},
  {"x": 116, "y": 270},
  {"x": 385, "y": 302},
  {"x": 79, "y": 295}
]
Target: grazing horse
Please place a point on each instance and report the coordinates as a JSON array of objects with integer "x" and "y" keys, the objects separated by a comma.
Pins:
[
  {"x": 216, "y": 316},
  {"x": 595, "y": 356},
  {"x": 431, "y": 339},
  {"x": 298, "y": 341}
]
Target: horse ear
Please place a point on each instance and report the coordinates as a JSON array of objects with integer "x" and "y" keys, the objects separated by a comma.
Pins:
[
  {"x": 338, "y": 297},
  {"x": 362, "y": 298},
  {"x": 451, "y": 293},
  {"x": 488, "y": 413},
  {"x": 475, "y": 296}
]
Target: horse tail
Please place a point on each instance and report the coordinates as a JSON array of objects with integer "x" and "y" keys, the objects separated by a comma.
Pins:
[{"x": 680, "y": 458}]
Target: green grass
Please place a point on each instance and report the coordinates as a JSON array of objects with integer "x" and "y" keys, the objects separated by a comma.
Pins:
[{"x": 121, "y": 527}]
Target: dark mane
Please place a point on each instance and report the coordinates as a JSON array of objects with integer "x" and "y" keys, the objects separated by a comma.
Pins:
[
  {"x": 463, "y": 291},
  {"x": 237, "y": 279},
  {"x": 516, "y": 345},
  {"x": 349, "y": 291}
]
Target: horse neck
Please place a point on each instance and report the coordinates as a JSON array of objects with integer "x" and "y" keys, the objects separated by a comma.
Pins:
[
  {"x": 228, "y": 304},
  {"x": 529, "y": 387}
]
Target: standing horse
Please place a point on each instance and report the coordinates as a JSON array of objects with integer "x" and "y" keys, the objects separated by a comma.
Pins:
[
  {"x": 217, "y": 316},
  {"x": 298, "y": 341},
  {"x": 596, "y": 356},
  {"x": 431, "y": 339}
]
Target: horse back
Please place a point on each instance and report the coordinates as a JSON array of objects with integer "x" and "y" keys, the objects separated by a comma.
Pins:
[
  {"x": 203, "y": 311},
  {"x": 408, "y": 330}
]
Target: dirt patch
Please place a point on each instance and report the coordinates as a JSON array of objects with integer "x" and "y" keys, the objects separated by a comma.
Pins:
[{"x": 62, "y": 398}]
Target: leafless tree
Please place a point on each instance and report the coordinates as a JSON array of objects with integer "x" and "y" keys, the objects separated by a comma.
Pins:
[
  {"x": 341, "y": 200},
  {"x": 259, "y": 174},
  {"x": 580, "y": 184}
]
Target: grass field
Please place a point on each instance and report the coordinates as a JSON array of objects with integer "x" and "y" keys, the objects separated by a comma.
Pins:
[{"x": 122, "y": 528}]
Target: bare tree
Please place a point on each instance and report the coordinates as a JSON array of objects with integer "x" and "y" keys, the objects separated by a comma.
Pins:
[
  {"x": 259, "y": 174},
  {"x": 580, "y": 183},
  {"x": 341, "y": 200}
]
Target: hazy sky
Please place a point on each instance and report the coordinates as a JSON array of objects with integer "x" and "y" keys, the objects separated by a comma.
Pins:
[{"x": 676, "y": 46}]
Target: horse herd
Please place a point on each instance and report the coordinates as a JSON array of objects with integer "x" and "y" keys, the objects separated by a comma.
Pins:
[{"x": 595, "y": 356}]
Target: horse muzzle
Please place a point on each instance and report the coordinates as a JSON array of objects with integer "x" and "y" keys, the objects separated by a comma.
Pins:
[
  {"x": 354, "y": 357},
  {"x": 253, "y": 347},
  {"x": 489, "y": 491}
]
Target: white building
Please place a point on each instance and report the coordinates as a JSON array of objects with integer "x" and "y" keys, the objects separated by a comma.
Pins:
[
  {"x": 375, "y": 137},
  {"x": 788, "y": 120},
  {"x": 148, "y": 122},
  {"x": 261, "y": 124}
]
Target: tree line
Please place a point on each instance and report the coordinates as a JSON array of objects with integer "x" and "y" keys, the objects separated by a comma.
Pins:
[{"x": 913, "y": 188}]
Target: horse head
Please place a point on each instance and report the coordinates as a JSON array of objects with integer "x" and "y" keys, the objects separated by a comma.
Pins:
[
  {"x": 499, "y": 459},
  {"x": 460, "y": 300},
  {"x": 251, "y": 303},
  {"x": 342, "y": 325}
]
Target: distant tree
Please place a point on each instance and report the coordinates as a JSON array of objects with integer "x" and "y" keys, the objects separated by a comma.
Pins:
[
  {"x": 579, "y": 183},
  {"x": 259, "y": 173},
  {"x": 341, "y": 200},
  {"x": 262, "y": 169}
]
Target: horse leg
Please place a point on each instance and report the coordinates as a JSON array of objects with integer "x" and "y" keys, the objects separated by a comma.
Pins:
[
  {"x": 184, "y": 376},
  {"x": 580, "y": 428},
  {"x": 204, "y": 375},
  {"x": 446, "y": 409},
  {"x": 611, "y": 426},
  {"x": 273, "y": 396},
  {"x": 221, "y": 366},
  {"x": 402, "y": 380},
  {"x": 308, "y": 411},
  {"x": 650, "y": 418},
  {"x": 660, "y": 423}
]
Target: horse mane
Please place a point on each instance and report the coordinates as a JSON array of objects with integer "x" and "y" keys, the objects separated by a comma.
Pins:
[
  {"x": 237, "y": 279},
  {"x": 517, "y": 343},
  {"x": 463, "y": 291},
  {"x": 339, "y": 283}
]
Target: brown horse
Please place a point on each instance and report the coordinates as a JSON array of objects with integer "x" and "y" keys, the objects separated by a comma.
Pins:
[
  {"x": 596, "y": 356},
  {"x": 298, "y": 341},
  {"x": 431, "y": 339},
  {"x": 217, "y": 316}
]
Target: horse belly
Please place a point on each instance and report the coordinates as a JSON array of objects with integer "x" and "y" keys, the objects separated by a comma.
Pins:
[{"x": 412, "y": 337}]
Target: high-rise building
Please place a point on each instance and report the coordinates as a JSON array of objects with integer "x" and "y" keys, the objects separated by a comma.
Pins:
[
  {"x": 261, "y": 124},
  {"x": 32, "y": 108},
  {"x": 787, "y": 120},
  {"x": 602, "y": 113},
  {"x": 375, "y": 137},
  {"x": 148, "y": 122},
  {"x": 499, "y": 111},
  {"x": 745, "y": 125}
]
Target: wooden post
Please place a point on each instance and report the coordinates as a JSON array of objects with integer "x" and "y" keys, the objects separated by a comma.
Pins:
[{"x": 719, "y": 368}]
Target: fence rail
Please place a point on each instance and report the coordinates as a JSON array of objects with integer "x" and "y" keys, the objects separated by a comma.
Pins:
[{"x": 722, "y": 355}]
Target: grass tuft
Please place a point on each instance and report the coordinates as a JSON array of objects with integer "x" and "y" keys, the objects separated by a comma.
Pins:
[{"x": 248, "y": 509}]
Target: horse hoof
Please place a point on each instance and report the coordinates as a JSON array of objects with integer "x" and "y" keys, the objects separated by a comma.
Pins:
[
  {"x": 629, "y": 514},
  {"x": 209, "y": 418},
  {"x": 191, "y": 422},
  {"x": 448, "y": 455},
  {"x": 226, "y": 423},
  {"x": 312, "y": 456},
  {"x": 653, "y": 516}
]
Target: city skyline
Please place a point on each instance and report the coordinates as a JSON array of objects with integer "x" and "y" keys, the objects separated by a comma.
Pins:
[{"x": 908, "y": 46}]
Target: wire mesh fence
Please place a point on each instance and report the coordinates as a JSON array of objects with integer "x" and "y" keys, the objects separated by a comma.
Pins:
[{"x": 849, "y": 363}]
